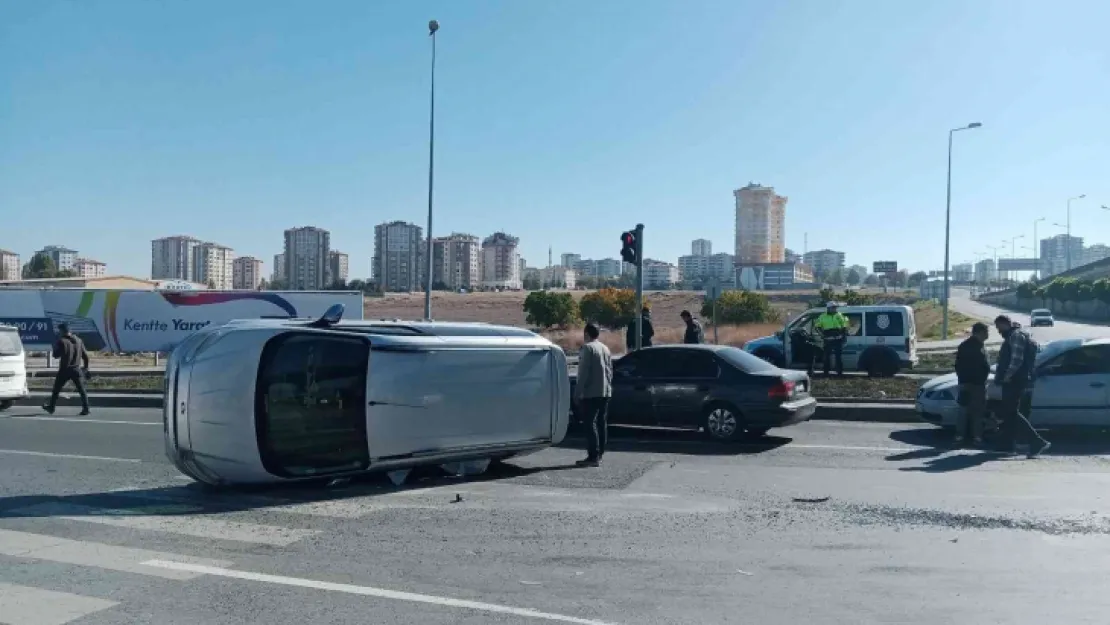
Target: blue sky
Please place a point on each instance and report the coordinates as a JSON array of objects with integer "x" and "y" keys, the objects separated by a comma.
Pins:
[{"x": 562, "y": 123}]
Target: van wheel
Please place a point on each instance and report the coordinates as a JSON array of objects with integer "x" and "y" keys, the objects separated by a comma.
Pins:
[
  {"x": 5, "y": 404},
  {"x": 722, "y": 423},
  {"x": 882, "y": 365}
]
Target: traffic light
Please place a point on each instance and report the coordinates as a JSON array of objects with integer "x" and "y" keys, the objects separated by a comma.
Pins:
[{"x": 628, "y": 248}]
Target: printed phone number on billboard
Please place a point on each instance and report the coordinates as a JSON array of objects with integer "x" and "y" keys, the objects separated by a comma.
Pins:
[{"x": 33, "y": 331}]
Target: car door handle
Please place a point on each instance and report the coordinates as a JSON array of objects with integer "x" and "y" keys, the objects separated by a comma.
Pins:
[{"x": 1097, "y": 384}]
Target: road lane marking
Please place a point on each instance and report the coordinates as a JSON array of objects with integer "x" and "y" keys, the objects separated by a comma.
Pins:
[
  {"x": 368, "y": 591},
  {"x": 97, "y": 555},
  {"x": 46, "y": 454},
  {"x": 80, "y": 420},
  {"x": 20, "y": 605},
  {"x": 182, "y": 520}
]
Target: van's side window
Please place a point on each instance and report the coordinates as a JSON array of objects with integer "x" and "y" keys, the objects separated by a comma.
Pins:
[
  {"x": 855, "y": 323},
  {"x": 885, "y": 323},
  {"x": 310, "y": 404}
]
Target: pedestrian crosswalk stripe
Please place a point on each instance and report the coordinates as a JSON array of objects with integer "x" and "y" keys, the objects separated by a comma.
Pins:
[
  {"x": 179, "y": 519},
  {"x": 97, "y": 555},
  {"x": 20, "y": 605}
]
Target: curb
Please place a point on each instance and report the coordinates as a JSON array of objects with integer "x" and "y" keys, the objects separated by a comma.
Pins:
[{"x": 856, "y": 410}]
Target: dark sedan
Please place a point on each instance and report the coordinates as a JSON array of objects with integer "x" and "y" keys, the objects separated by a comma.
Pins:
[{"x": 725, "y": 391}]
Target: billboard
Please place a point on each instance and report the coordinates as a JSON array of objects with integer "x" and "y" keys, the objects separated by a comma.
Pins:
[
  {"x": 1017, "y": 264},
  {"x": 153, "y": 321},
  {"x": 885, "y": 266}
]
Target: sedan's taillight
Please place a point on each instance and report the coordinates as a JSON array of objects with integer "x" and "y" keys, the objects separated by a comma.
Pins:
[{"x": 781, "y": 390}]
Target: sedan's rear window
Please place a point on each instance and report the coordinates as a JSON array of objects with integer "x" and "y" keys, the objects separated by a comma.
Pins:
[{"x": 744, "y": 361}]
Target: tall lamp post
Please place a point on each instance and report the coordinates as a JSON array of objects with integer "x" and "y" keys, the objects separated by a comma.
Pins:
[
  {"x": 1068, "y": 226},
  {"x": 948, "y": 221},
  {"x": 433, "y": 26},
  {"x": 1036, "y": 244},
  {"x": 994, "y": 249},
  {"x": 1013, "y": 250}
]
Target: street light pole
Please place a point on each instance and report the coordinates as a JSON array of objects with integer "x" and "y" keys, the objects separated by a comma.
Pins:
[
  {"x": 1036, "y": 244},
  {"x": 433, "y": 26},
  {"x": 948, "y": 222},
  {"x": 1068, "y": 245}
]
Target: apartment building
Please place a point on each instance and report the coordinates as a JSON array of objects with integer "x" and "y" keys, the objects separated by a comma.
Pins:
[
  {"x": 824, "y": 262},
  {"x": 10, "y": 267},
  {"x": 306, "y": 258},
  {"x": 659, "y": 275},
  {"x": 985, "y": 271},
  {"x": 696, "y": 267},
  {"x": 1058, "y": 251},
  {"x": 608, "y": 268},
  {"x": 701, "y": 247},
  {"x": 569, "y": 260},
  {"x": 171, "y": 258},
  {"x": 246, "y": 273},
  {"x": 89, "y": 268},
  {"x": 398, "y": 256},
  {"x": 558, "y": 277},
  {"x": 457, "y": 261},
  {"x": 63, "y": 257},
  {"x": 962, "y": 272},
  {"x": 1095, "y": 253},
  {"x": 278, "y": 274},
  {"x": 760, "y": 225},
  {"x": 501, "y": 262},
  {"x": 213, "y": 264},
  {"x": 339, "y": 265}
]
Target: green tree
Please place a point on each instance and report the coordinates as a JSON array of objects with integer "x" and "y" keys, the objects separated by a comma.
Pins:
[
  {"x": 871, "y": 280},
  {"x": 546, "y": 309},
  {"x": 835, "y": 277},
  {"x": 40, "y": 266},
  {"x": 611, "y": 308},
  {"x": 736, "y": 307},
  {"x": 531, "y": 283},
  {"x": 916, "y": 278},
  {"x": 1026, "y": 290},
  {"x": 853, "y": 277}
]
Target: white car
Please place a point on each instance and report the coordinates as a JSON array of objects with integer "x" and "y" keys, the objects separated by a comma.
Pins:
[
  {"x": 1071, "y": 387},
  {"x": 13, "y": 367},
  {"x": 273, "y": 400},
  {"x": 1041, "y": 317}
]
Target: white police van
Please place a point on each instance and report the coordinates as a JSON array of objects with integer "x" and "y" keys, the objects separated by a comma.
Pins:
[
  {"x": 13, "y": 368},
  {"x": 882, "y": 340}
]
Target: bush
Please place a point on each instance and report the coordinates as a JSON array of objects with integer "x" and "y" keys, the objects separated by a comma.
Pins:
[
  {"x": 610, "y": 308},
  {"x": 1027, "y": 290},
  {"x": 740, "y": 307},
  {"x": 546, "y": 309},
  {"x": 848, "y": 298}
]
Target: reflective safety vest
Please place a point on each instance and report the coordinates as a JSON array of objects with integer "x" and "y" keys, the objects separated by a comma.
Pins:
[{"x": 832, "y": 326}]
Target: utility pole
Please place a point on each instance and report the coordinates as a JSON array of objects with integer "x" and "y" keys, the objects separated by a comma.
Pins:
[{"x": 433, "y": 26}]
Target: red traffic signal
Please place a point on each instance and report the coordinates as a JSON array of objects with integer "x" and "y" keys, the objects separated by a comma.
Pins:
[{"x": 628, "y": 248}]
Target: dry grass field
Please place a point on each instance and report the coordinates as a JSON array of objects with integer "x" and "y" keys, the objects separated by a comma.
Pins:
[{"x": 507, "y": 308}]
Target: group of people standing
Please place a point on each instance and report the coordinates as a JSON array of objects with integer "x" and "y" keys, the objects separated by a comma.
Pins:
[{"x": 1013, "y": 374}]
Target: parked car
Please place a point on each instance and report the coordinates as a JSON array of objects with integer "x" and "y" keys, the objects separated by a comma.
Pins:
[
  {"x": 882, "y": 340},
  {"x": 13, "y": 368},
  {"x": 1041, "y": 317},
  {"x": 1071, "y": 387},
  {"x": 725, "y": 391}
]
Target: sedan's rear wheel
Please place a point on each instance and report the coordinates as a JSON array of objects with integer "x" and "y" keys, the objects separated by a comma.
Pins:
[{"x": 722, "y": 423}]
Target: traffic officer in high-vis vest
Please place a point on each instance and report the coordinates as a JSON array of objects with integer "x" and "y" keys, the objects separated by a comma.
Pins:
[{"x": 833, "y": 327}]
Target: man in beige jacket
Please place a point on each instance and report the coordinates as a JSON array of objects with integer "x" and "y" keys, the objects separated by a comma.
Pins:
[{"x": 592, "y": 392}]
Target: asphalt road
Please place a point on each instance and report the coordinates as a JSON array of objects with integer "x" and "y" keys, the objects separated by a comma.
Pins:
[
  {"x": 962, "y": 302},
  {"x": 96, "y": 528}
]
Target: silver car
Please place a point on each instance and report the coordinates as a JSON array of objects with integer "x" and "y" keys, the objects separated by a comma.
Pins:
[{"x": 1071, "y": 387}]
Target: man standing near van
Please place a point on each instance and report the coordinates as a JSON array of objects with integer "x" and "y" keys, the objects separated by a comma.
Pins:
[
  {"x": 972, "y": 370},
  {"x": 833, "y": 327},
  {"x": 73, "y": 364},
  {"x": 1014, "y": 372},
  {"x": 592, "y": 392}
]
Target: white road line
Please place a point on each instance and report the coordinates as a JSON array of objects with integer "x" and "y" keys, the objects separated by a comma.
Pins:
[
  {"x": 369, "y": 591},
  {"x": 81, "y": 420},
  {"x": 98, "y": 555},
  {"x": 850, "y": 447},
  {"x": 46, "y": 454},
  {"x": 182, "y": 520},
  {"x": 20, "y": 605}
]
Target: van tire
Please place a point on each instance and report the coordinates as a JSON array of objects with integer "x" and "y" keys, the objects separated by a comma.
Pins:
[
  {"x": 772, "y": 356},
  {"x": 6, "y": 403},
  {"x": 880, "y": 363}
]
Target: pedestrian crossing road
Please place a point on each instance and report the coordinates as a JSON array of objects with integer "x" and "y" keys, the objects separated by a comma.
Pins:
[{"x": 97, "y": 529}]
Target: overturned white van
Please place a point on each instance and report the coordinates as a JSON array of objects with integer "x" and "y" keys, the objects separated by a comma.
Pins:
[{"x": 267, "y": 400}]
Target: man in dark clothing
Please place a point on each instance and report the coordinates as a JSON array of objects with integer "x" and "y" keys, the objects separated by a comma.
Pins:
[
  {"x": 646, "y": 331},
  {"x": 73, "y": 364},
  {"x": 972, "y": 370},
  {"x": 1014, "y": 371},
  {"x": 694, "y": 332}
]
